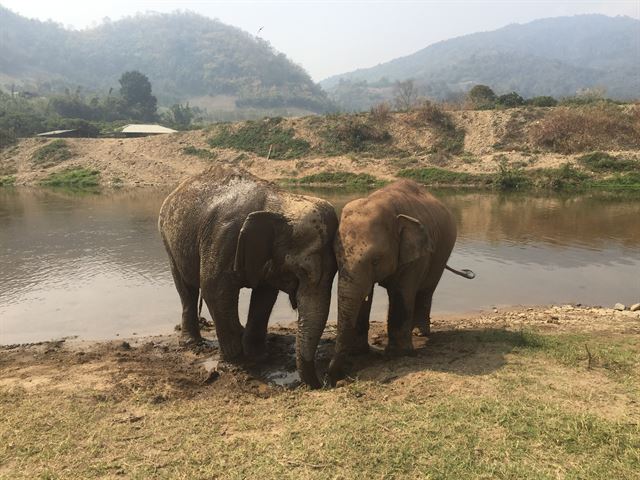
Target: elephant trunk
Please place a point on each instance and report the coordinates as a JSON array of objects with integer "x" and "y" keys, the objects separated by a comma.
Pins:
[
  {"x": 313, "y": 310},
  {"x": 350, "y": 297}
]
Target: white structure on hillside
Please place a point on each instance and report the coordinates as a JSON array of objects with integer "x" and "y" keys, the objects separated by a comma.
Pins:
[{"x": 140, "y": 130}]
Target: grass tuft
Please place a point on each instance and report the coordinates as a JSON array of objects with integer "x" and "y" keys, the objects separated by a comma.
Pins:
[
  {"x": 73, "y": 177},
  {"x": 341, "y": 179},
  {"x": 604, "y": 162},
  {"x": 51, "y": 154}
]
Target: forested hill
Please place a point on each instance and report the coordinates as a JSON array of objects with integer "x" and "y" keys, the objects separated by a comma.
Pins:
[
  {"x": 554, "y": 56},
  {"x": 185, "y": 56}
]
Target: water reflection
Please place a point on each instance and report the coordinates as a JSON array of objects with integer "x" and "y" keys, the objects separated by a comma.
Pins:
[{"x": 94, "y": 265}]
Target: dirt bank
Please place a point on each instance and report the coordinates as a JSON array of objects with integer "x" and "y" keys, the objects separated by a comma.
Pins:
[
  {"x": 475, "y": 143},
  {"x": 532, "y": 392}
]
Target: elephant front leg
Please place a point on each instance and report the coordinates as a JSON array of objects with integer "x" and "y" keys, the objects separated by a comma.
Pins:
[
  {"x": 189, "y": 327},
  {"x": 422, "y": 313},
  {"x": 221, "y": 298},
  {"x": 400, "y": 323},
  {"x": 255, "y": 334},
  {"x": 361, "y": 338}
]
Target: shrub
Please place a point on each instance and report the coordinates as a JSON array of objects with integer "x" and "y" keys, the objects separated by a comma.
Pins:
[
  {"x": 603, "y": 162},
  {"x": 353, "y": 134},
  {"x": 510, "y": 177},
  {"x": 481, "y": 97},
  {"x": 593, "y": 127},
  {"x": 264, "y": 137},
  {"x": 53, "y": 153},
  {"x": 564, "y": 178},
  {"x": 7, "y": 180},
  {"x": 198, "y": 152},
  {"x": 510, "y": 100},
  {"x": 380, "y": 113},
  {"x": 542, "y": 101},
  {"x": 450, "y": 138}
]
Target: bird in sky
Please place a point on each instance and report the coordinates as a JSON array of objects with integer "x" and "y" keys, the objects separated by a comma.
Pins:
[{"x": 259, "y": 30}]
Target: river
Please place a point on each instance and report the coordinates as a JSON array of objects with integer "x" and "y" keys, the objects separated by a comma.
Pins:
[{"x": 93, "y": 265}]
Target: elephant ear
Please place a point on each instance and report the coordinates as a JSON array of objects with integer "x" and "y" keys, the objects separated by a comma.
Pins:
[
  {"x": 414, "y": 240},
  {"x": 260, "y": 234}
]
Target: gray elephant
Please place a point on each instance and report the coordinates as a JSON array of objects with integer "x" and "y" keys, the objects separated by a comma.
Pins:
[
  {"x": 400, "y": 237},
  {"x": 226, "y": 229}
]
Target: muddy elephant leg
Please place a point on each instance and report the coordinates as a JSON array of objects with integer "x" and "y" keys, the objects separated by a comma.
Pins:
[
  {"x": 400, "y": 323},
  {"x": 422, "y": 313},
  {"x": 189, "y": 327},
  {"x": 221, "y": 298},
  {"x": 255, "y": 333},
  {"x": 361, "y": 339}
]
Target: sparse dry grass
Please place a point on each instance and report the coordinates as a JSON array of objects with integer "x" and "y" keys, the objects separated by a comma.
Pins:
[
  {"x": 588, "y": 128},
  {"x": 479, "y": 401}
]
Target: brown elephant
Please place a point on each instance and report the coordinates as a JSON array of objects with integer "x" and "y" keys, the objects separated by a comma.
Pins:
[
  {"x": 226, "y": 229},
  {"x": 400, "y": 237}
]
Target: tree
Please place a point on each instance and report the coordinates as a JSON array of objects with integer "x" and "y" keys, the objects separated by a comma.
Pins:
[
  {"x": 138, "y": 102},
  {"x": 405, "y": 95},
  {"x": 481, "y": 97},
  {"x": 181, "y": 115}
]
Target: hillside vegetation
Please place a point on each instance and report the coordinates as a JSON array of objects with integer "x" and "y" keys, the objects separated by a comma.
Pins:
[
  {"x": 557, "y": 148},
  {"x": 554, "y": 56},
  {"x": 186, "y": 56}
]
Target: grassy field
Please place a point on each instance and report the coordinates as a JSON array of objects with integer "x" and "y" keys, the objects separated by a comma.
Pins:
[{"x": 535, "y": 393}]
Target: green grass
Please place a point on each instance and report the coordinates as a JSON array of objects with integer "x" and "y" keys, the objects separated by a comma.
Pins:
[
  {"x": 51, "y": 154},
  {"x": 73, "y": 177},
  {"x": 564, "y": 178},
  {"x": 199, "y": 152},
  {"x": 352, "y": 134},
  {"x": 7, "y": 180},
  {"x": 341, "y": 179},
  {"x": 264, "y": 138},
  {"x": 440, "y": 176},
  {"x": 604, "y": 162}
]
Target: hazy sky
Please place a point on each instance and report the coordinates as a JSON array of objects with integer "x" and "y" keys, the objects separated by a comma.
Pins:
[{"x": 330, "y": 37}]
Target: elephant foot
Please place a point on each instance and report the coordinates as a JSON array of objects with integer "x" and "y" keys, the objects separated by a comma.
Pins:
[
  {"x": 336, "y": 371},
  {"x": 307, "y": 372},
  {"x": 190, "y": 339},
  {"x": 360, "y": 348},
  {"x": 421, "y": 331},
  {"x": 399, "y": 351},
  {"x": 231, "y": 349},
  {"x": 255, "y": 351}
]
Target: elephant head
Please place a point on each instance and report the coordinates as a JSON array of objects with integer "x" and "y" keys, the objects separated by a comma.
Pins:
[{"x": 292, "y": 249}]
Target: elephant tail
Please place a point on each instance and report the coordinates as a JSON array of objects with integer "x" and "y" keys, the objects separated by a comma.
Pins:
[{"x": 463, "y": 273}]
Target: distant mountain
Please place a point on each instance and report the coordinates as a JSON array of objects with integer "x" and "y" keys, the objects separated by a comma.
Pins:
[
  {"x": 554, "y": 56},
  {"x": 185, "y": 55}
]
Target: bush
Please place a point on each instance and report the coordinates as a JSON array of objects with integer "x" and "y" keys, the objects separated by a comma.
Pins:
[
  {"x": 53, "y": 153},
  {"x": 264, "y": 138},
  {"x": 380, "y": 113},
  {"x": 481, "y": 97},
  {"x": 564, "y": 178},
  {"x": 603, "y": 162},
  {"x": 594, "y": 127},
  {"x": 510, "y": 177},
  {"x": 510, "y": 100},
  {"x": 199, "y": 152},
  {"x": 353, "y": 134},
  {"x": 543, "y": 101},
  {"x": 450, "y": 138}
]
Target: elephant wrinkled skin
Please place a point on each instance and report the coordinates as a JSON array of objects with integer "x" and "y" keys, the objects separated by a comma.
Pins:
[
  {"x": 226, "y": 229},
  {"x": 400, "y": 237}
]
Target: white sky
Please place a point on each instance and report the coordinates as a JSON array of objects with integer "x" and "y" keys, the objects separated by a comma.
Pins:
[{"x": 330, "y": 37}]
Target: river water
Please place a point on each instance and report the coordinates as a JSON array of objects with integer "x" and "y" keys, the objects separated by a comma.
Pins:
[{"x": 93, "y": 265}]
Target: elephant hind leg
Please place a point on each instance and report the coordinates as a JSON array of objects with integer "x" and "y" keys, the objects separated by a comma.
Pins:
[
  {"x": 189, "y": 297},
  {"x": 255, "y": 334}
]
